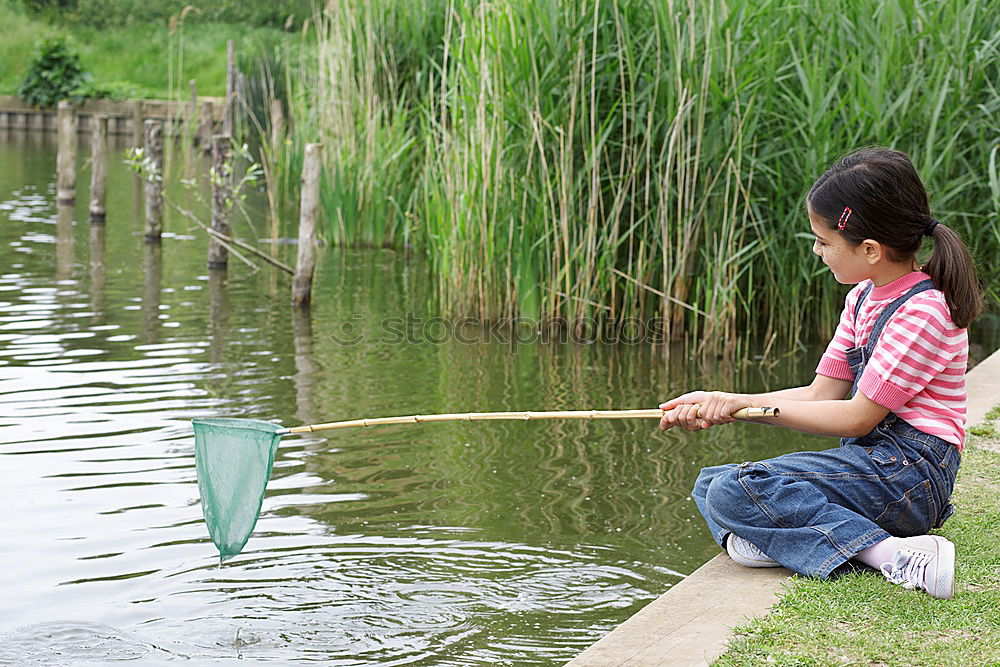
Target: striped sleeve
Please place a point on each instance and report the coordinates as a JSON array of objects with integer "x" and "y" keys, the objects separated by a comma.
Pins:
[
  {"x": 920, "y": 351},
  {"x": 834, "y": 360}
]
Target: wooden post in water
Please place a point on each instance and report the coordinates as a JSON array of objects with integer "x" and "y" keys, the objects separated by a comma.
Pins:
[
  {"x": 99, "y": 161},
  {"x": 66, "y": 159},
  {"x": 218, "y": 255},
  {"x": 309, "y": 205},
  {"x": 154, "y": 186},
  {"x": 228, "y": 118}
]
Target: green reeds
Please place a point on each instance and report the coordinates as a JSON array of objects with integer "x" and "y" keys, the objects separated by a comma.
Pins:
[{"x": 582, "y": 160}]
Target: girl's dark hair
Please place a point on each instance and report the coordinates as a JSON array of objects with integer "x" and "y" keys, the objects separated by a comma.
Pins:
[{"x": 889, "y": 204}]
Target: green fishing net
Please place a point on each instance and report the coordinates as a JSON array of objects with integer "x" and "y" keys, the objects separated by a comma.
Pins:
[{"x": 233, "y": 458}]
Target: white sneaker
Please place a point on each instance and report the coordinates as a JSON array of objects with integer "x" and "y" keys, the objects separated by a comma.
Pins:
[
  {"x": 747, "y": 553},
  {"x": 926, "y": 562}
]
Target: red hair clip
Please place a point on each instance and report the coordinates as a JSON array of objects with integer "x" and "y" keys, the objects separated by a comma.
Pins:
[{"x": 843, "y": 218}]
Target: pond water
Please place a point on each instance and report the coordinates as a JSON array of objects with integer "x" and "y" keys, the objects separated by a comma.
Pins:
[{"x": 468, "y": 543}]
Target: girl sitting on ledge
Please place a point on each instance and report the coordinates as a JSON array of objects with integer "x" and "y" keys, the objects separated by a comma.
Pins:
[{"x": 899, "y": 354}]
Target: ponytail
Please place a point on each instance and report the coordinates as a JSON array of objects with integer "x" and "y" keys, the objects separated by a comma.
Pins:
[{"x": 953, "y": 272}]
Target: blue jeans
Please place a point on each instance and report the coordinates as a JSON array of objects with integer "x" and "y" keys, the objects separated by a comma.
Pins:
[{"x": 813, "y": 511}]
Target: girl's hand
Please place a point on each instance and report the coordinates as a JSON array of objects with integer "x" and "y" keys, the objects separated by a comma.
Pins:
[
  {"x": 684, "y": 415},
  {"x": 702, "y": 409}
]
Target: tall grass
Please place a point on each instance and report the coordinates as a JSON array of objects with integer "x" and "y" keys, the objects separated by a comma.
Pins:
[{"x": 606, "y": 159}]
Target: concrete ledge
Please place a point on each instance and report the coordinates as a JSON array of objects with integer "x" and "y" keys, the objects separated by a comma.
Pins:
[{"x": 690, "y": 623}]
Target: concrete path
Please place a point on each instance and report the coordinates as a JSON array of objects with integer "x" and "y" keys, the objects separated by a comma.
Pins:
[{"x": 691, "y": 622}]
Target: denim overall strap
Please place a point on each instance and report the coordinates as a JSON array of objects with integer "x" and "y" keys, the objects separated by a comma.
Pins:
[
  {"x": 858, "y": 357},
  {"x": 861, "y": 300}
]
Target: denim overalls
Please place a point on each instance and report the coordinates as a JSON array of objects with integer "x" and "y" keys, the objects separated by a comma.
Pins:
[{"x": 813, "y": 511}]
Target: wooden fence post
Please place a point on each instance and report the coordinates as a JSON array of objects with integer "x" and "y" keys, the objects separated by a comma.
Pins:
[
  {"x": 154, "y": 186},
  {"x": 66, "y": 159},
  {"x": 229, "y": 111},
  {"x": 309, "y": 205},
  {"x": 99, "y": 173},
  {"x": 222, "y": 192}
]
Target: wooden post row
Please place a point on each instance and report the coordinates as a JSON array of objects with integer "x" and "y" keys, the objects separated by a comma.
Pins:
[{"x": 309, "y": 205}]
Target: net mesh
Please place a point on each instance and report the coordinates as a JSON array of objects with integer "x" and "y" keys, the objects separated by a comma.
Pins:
[{"x": 233, "y": 458}]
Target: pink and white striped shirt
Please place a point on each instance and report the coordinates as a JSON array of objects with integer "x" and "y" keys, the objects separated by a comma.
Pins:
[{"x": 917, "y": 369}]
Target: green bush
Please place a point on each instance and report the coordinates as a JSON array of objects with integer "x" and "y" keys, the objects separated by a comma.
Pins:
[{"x": 54, "y": 74}]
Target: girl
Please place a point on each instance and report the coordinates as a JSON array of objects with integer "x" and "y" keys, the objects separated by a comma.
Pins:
[{"x": 900, "y": 354}]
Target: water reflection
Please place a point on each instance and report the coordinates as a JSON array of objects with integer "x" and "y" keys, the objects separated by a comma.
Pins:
[
  {"x": 98, "y": 271},
  {"x": 65, "y": 242},
  {"x": 152, "y": 278},
  {"x": 306, "y": 368},
  {"x": 35, "y": 140},
  {"x": 218, "y": 314}
]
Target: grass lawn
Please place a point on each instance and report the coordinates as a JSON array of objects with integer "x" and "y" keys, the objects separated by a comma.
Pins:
[
  {"x": 861, "y": 619},
  {"x": 137, "y": 55}
]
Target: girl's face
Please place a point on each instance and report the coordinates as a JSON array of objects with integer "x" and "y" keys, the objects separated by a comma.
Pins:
[{"x": 850, "y": 264}]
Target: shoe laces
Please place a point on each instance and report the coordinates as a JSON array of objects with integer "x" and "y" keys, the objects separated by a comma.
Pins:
[{"x": 909, "y": 568}]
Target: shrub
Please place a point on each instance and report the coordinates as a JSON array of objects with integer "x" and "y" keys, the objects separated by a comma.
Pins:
[{"x": 54, "y": 74}]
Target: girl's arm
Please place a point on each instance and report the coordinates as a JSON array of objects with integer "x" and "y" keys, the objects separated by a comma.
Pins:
[
  {"x": 822, "y": 388},
  {"x": 818, "y": 409}
]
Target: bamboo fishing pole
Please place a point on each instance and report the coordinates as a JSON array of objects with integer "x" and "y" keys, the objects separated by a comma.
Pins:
[{"x": 656, "y": 413}]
